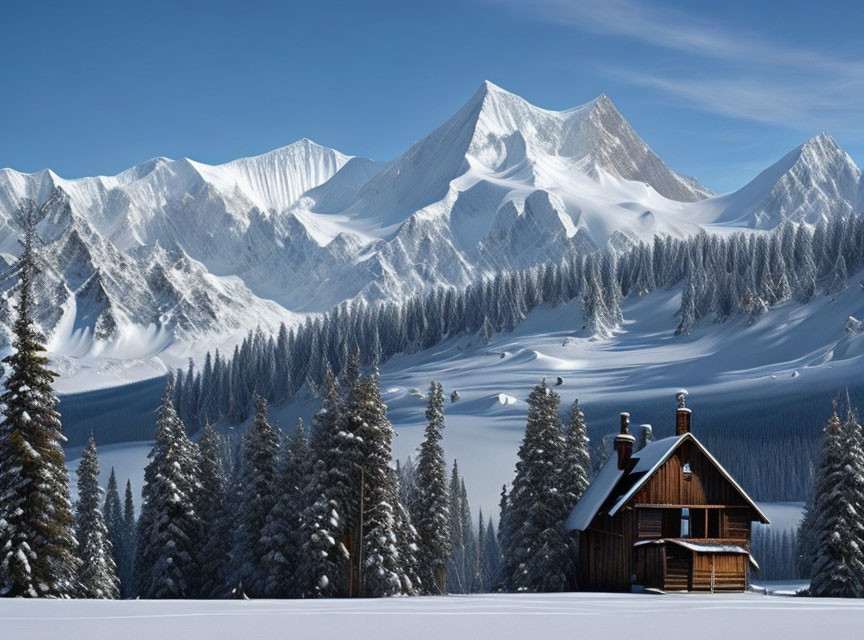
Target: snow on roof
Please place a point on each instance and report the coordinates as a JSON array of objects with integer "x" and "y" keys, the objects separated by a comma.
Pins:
[
  {"x": 595, "y": 495},
  {"x": 701, "y": 547},
  {"x": 654, "y": 459},
  {"x": 648, "y": 460}
]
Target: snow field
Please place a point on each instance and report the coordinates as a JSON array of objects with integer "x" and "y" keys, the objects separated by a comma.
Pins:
[{"x": 498, "y": 616}]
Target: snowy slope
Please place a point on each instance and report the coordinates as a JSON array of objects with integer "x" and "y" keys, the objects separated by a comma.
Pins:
[
  {"x": 733, "y": 371},
  {"x": 170, "y": 257},
  {"x": 810, "y": 183}
]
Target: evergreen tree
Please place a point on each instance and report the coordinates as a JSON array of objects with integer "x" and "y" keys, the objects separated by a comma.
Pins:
[
  {"x": 37, "y": 539},
  {"x": 469, "y": 541},
  {"x": 838, "y": 527},
  {"x": 407, "y": 543},
  {"x": 169, "y": 529},
  {"x": 282, "y": 533},
  {"x": 409, "y": 492},
  {"x": 324, "y": 570},
  {"x": 537, "y": 556},
  {"x": 366, "y": 417},
  {"x": 492, "y": 562},
  {"x": 97, "y": 573},
  {"x": 113, "y": 515},
  {"x": 503, "y": 503},
  {"x": 129, "y": 537},
  {"x": 576, "y": 465},
  {"x": 213, "y": 511},
  {"x": 456, "y": 582},
  {"x": 431, "y": 515},
  {"x": 258, "y": 487},
  {"x": 481, "y": 569}
]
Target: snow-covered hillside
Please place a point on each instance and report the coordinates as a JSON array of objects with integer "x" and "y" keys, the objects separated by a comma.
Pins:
[
  {"x": 150, "y": 266},
  {"x": 795, "y": 357}
]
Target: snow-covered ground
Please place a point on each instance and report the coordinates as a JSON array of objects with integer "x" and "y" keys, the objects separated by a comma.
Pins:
[{"x": 503, "y": 617}]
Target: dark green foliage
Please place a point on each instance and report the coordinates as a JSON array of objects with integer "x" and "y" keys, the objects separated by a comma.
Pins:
[
  {"x": 431, "y": 510},
  {"x": 37, "y": 540},
  {"x": 169, "y": 529},
  {"x": 258, "y": 489},
  {"x": 537, "y": 554}
]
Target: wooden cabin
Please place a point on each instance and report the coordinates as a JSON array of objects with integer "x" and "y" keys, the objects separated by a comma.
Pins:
[{"x": 667, "y": 517}]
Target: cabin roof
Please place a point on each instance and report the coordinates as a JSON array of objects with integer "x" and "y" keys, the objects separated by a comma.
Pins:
[
  {"x": 700, "y": 547},
  {"x": 613, "y": 488}
]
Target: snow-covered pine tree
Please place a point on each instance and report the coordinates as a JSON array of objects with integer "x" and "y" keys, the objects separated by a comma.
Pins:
[
  {"x": 688, "y": 306},
  {"x": 456, "y": 562},
  {"x": 409, "y": 492},
  {"x": 805, "y": 548},
  {"x": 129, "y": 537},
  {"x": 576, "y": 465},
  {"x": 469, "y": 540},
  {"x": 537, "y": 556},
  {"x": 431, "y": 512},
  {"x": 324, "y": 569},
  {"x": 212, "y": 509},
  {"x": 258, "y": 485},
  {"x": 169, "y": 529},
  {"x": 481, "y": 570},
  {"x": 37, "y": 539},
  {"x": 97, "y": 572},
  {"x": 365, "y": 416},
  {"x": 838, "y": 526},
  {"x": 594, "y": 315},
  {"x": 112, "y": 512},
  {"x": 407, "y": 546},
  {"x": 493, "y": 556},
  {"x": 282, "y": 532},
  {"x": 839, "y": 276},
  {"x": 503, "y": 503}
]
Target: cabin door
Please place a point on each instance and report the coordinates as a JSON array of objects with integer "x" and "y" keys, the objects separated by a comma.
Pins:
[{"x": 678, "y": 569}]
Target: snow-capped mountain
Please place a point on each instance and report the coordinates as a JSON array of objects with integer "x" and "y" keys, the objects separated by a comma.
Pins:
[
  {"x": 173, "y": 253},
  {"x": 812, "y": 182}
]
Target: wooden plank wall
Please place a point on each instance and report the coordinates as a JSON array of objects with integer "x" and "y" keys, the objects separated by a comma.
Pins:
[
  {"x": 605, "y": 553},
  {"x": 715, "y": 572},
  {"x": 650, "y": 565},
  {"x": 705, "y": 485}
]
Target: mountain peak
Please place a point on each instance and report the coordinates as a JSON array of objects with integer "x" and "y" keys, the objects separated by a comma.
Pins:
[
  {"x": 822, "y": 146},
  {"x": 815, "y": 180}
]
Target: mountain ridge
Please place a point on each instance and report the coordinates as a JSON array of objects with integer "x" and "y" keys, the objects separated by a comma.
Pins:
[{"x": 500, "y": 184}]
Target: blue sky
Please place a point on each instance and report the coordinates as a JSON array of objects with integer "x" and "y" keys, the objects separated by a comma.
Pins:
[{"x": 718, "y": 91}]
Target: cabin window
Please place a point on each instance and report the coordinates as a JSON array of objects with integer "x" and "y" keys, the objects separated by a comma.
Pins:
[
  {"x": 650, "y": 523},
  {"x": 685, "y": 523},
  {"x": 688, "y": 472},
  {"x": 713, "y": 523}
]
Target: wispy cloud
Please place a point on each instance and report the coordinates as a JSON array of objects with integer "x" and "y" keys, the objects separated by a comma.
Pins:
[{"x": 751, "y": 77}]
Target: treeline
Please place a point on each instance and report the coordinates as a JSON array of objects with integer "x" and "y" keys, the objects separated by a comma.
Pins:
[
  {"x": 317, "y": 513},
  {"x": 776, "y": 552},
  {"x": 721, "y": 276},
  {"x": 325, "y": 513}
]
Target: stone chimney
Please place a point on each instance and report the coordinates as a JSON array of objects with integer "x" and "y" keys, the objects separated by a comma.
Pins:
[
  {"x": 624, "y": 443},
  {"x": 682, "y": 415}
]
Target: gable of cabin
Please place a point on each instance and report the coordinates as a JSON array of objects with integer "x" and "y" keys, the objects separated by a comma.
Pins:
[{"x": 704, "y": 485}]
